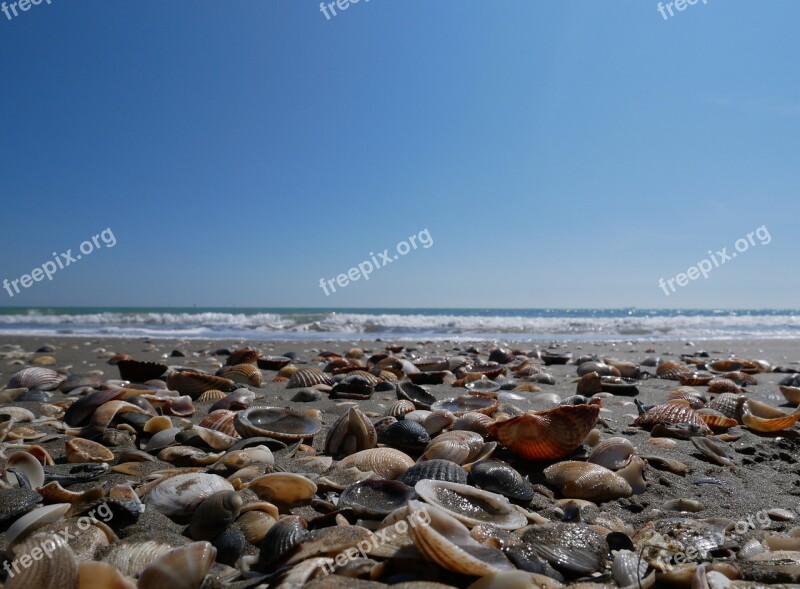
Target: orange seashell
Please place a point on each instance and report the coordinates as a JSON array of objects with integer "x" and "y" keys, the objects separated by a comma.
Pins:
[
  {"x": 670, "y": 370},
  {"x": 546, "y": 435},
  {"x": 716, "y": 420},
  {"x": 677, "y": 411},
  {"x": 308, "y": 377},
  {"x": 723, "y": 385},
  {"x": 694, "y": 379},
  {"x": 243, "y": 356},
  {"x": 280, "y": 379},
  {"x": 763, "y": 418}
]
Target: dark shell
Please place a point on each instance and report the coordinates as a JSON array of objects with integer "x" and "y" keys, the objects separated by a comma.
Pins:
[
  {"x": 405, "y": 435},
  {"x": 81, "y": 410},
  {"x": 437, "y": 470},
  {"x": 571, "y": 548},
  {"x": 281, "y": 540},
  {"x": 137, "y": 371},
  {"x": 230, "y": 544},
  {"x": 243, "y": 356},
  {"x": 551, "y": 358},
  {"x": 273, "y": 362},
  {"x": 499, "y": 477},
  {"x": 617, "y": 385},
  {"x": 421, "y": 398},
  {"x": 215, "y": 513},
  {"x": 194, "y": 384},
  {"x": 307, "y": 396},
  {"x": 353, "y": 386},
  {"x": 600, "y": 368},
  {"x": 76, "y": 381},
  {"x": 436, "y": 377},
  {"x": 501, "y": 356},
  {"x": 273, "y": 422},
  {"x": 308, "y": 377},
  {"x": 376, "y": 498}
]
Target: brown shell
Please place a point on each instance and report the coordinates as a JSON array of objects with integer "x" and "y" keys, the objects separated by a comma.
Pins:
[
  {"x": 221, "y": 420},
  {"x": 670, "y": 370},
  {"x": 722, "y": 366},
  {"x": 273, "y": 362},
  {"x": 243, "y": 356},
  {"x": 693, "y": 397},
  {"x": 546, "y": 435},
  {"x": 716, "y": 420},
  {"x": 80, "y": 450},
  {"x": 277, "y": 423},
  {"x": 117, "y": 357},
  {"x": 368, "y": 376},
  {"x": 242, "y": 374},
  {"x": 723, "y": 385},
  {"x": 212, "y": 395},
  {"x": 137, "y": 371},
  {"x": 677, "y": 411},
  {"x": 195, "y": 384},
  {"x": 740, "y": 377},
  {"x": 728, "y": 404},
  {"x": 694, "y": 379},
  {"x": 791, "y": 394},
  {"x": 387, "y": 463},
  {"x": 308, "y": 377},
  {"x": 763, "y": 418}
]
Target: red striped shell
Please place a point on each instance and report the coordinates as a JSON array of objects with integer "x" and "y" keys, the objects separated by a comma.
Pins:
[
  {"x": 670, "y": 370},
  {"x": 221, "y": 420},
  {"x": 674, "y": 412},
  {"x": 723, "y": 385}
]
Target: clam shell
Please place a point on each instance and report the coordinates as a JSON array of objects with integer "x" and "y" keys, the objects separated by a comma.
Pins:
[
  {"x": 131, "y": 555},
  {"x": 400, "y": 408},
  {"x": 255, "y": 525},
  {"x": 182, "y": 568},
  {"x": 694, "y": 397},
  {"x": 448, "y": 543},
  {"x": 713, "y": 451},
  {"x": 281, "y": 541},
  {"x": 58, "y": 571},
  {"x": 273, "y": 362},
  {"x": 695, "y": 379},
  {"x": 613, "y": 453},
  {"x": 499, "y": 477},
  {"x": 437, "y": 470},
  {"x": 101, "y": 575},
  {"x": 421, "y": 398},
  {"x": 439, "y": 420},
  {"x": 242, "y": 374},
  {"x": 79, "y": 450},
  {"x": 670, "y": 370},
  {"x": 546, "y": 435},
  {"x": 674, "y": 412},
  {"x": 42, "y": 379},
  {"x": 283, "y": 487},
  {"x": 308, "y": 377},
  {"x": 249, "y": 456},
  {"x": 723, "y": 385},
  {"x": 137, "y": 371},
  {"x": 351, "y": 433},
  {"x": 221, "y": 420},
  {"x": 471, "y": 506},
  {"x": 215, "y": 513},
  {"x": 791, "y": 394},
  {"x": 584, "y": 480},
  {"x": 194, "y": 384},
  {"x": 461, "y": 447},
  {"x": 405, "y": 435},
  {"x": 573, "y": 548},
  {"x": 473, "y": 421},
  {"x": 243, "y": 356},
  {"x": 721, "y": 366},
  {"x": 387, "y": 463},
  {"x": 460, "y": 405},
  {"x": 42, "y": 515},
  {"x": 762, "y": 418},
  {"x": 180, "y": 495},
  {"x": 23, "y": 469},
  {"x": 376, "y": 498},
  {"x": 273, "y": 422}
]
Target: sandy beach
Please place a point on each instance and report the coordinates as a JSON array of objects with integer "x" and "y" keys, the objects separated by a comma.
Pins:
[{"x": 764, "y": 476}]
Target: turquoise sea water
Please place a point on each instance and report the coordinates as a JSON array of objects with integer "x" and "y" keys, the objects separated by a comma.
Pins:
[{"x": 508, "y": 324}]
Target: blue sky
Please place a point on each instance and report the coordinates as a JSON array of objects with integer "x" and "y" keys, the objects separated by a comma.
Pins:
[{"x": 560, "y": 154}]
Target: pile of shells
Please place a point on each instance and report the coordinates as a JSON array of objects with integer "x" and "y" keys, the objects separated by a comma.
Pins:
[{"x": 435, "y": 468}]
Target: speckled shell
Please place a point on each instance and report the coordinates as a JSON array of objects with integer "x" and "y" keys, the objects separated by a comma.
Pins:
[{"x": 546, "y": 435}]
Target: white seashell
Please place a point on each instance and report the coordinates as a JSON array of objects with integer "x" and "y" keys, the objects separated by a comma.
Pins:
[
  {"x": 179, "y": 496},
  {"x": 58, "y": 571},
  {"x": 43, "y": 515}
]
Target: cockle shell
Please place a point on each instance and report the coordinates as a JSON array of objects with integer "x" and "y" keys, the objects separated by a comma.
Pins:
[
  {"x": 546, "y": 435},
  {"x": 728, "y": 404},
  {"x": 694, "y": 379},
  {"x": 613, "y": 453},
  {"x": 387, "y": 463},
  {"x": 584, "y": 480},
  {"x": 58, "y": 571},
  {"x": 308, "y": 377},
  {"x": 221, "y": 420},
  {"x": 474, "y": 422},
  {"x": 132, "y": 555},
  {"x": 42, "y": 379},
  {"x": 281, "y": 541},
  {"x": 694, "y": 397},
  {"x": 673, "y": 412},
  {"x": 670, "y": 370},
  {"x": 212, "y": 395},
  {"x": 439, "y": 470},
  {"x": 723, "y": 385},
  {"x": 242, "y": 374},
  {"x": 461, "y": 447},
  {"x": 716, "y": 420},
  {"x": 180, "y": 495},
  {"x": 182, "y": 568},
  {"x": 94, "y": 574}
]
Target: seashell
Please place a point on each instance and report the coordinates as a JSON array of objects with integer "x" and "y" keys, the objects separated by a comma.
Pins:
[
  {"x": 243, "y": 356},
  {"x": 221, "y": 420},
  {"x": 482, "y": 386},
  {"x": 162, "y": 439},
  {"x": 101, "y": 575},
  {"x": 716, "y": 420},
  {"x": 629, "y": 570},
  {"x": 308, "y": 377},
  {"x": 182, "y": 568},
  {"x": 723, "y": 385},
  {"x": 439, "y": 420},
  {"x": 81, "y": 410},
  {"x": 157, "y": 424},
  {"x": 376, "y": 498},
  {"x": 351, "y": 433},
  {"x": 282, "y": 539},
  {"x": 132, "y": 555},
  {"x": 113, "y": 360},
  {"x": 432, "y": 377},
  {"x": 214, "y": 439},
  {"x": 670, "y": 370},
  {"x": 499, "y": 477},
  {"x": 694, "y": 397},
  {"x": 409, "y": 391},
  {"x": 283, "y": 487},
  {"x": 555, "y": 358},
  {"x": 471, "y": 506},
  {"x": 42, "y": 515},
  {"x": 613, "y": 453},
  {"x": 187, "y": 455},
  {"x": 387, "y": 463},
  {"x": 42, "y": 379},
  {"x": 546, "y": 435},
  {"x": 460, "y": 405},
  {"x": 474, "y": 422},
  {"x": 728, "y": 404},
  {"x": 273, "y": 422},
  {"x": 58, "y": 571},
  {"x": 488, "y": 370},
  {"x": 400, "y": 408},
  {"x": 105, "y": 413},
  {"x": 249, "y": 456},
  {"x": 79, "y": 450},
  {"x": 695, "y": 379},
  {"x": 287, "y": 372},
  {"x": 437, "y": 470},
  {"x": 239, "y": 399},
  {"x": 242, "y": 374},
  {"x": 212, "y": 395},
  {"x": 791, "y": 394},
  {"x": 24, "y": 470},
  {"x": 740, "y": 378},
  {"x": 273, "y": 362},
  {"x": 137, "y": 371},
  {"x": 713, "y": 451},
  {"x": 584, "y": 480},
  {"x": 589, "y": 384},
  {"x": 179, "y": 496},
  {"x": 673, "y": 466},
  {"x": 405, "y": 435},
  {"x": 574, "y": 548},
  {"x": 683, "y": 504},
  {"x": 673, "y": 412},
  {"x": 720, "y": 366},
  {"x": 215, "y": 513},
  {"x": 354, "y": 386},
  {"x": 255, "y": 525},
  {"x": 633, "y": 473},
  {"x": 765, "y": 419},
  {"x": 460, "y": 447},
  {"x": 448, "y": 543},
  {"x": 194, "y": 384}
]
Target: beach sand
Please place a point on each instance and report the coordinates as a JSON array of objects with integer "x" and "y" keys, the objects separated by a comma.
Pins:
[{"x": 765, "y": 476}]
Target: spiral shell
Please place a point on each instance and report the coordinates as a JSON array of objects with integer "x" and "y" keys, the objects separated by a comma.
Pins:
[
  {"x": 308, "y": 377},
  {"x": 546, "y": 435}
]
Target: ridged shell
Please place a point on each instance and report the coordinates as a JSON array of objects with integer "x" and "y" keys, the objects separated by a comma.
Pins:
[
  {"x": 243, "y": 356},
  {"x": 612, "y": 453},
  {"x": 242, "y": 374},
  {"x": 58, "y": 571},
  {"x": 670, "y": 370},
  {"x": 694, "y": 397},
  {"x": 274, "y": 422},
  {"x": 405, "y": 435},
  {"x": 437, "y": 470},
  {"x": 308, "y": 377},
  {"x": 546, "y": 435},
  {"x": 351, "y": 433},
  {"x": 716, "y": 420},
  {"x": 584, "y": 480},
  {"x": 215, "y": 513},
  {"x": 499, "y": 477},
  {"x": 180, "y": 495},
  {"x": 762, "y": 418},
  {"x": 221, "y": 420},
  {"x": 471, "y": 506},
  {"x": 195, "y": 384},
  {"x": 473, "y": 421},
  {"x": 723, "y": 385},
  {"x": 461, "y": 447},
  {"x": 281, "y": 541},
  {"x": 387, "y": 463},
  {"x": 674, "y": 412},
  {"x": 439, "y": 420},
  {"x": 137, "y": 371},
  {"x": 400, "y": 408},
  {"x": 695, "y": 379},
  {"x": 131, "y": 556},
  {"x": 42, "y": 379},
  {"x": 728, "y": 404}
]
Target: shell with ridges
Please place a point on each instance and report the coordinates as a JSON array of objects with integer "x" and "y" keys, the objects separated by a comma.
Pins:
[
  {"x": 242, "y": 374},
  {"x": 673, "y": 412},
  {"x": 584, "y": 480},
  {"x": 387, "y": 463},
  {"x": 308, "y": 377},
  {"x": 42, "y": 379},
  {"x": 194, "y": 384},
  {"x": 58, "y": 571}
]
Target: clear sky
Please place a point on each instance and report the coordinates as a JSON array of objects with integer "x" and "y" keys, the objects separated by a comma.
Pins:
[{"x": 560, "y": 154}]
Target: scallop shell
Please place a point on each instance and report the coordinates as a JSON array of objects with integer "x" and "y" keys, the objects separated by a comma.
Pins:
[
  {"x": 448, "y": 543},
  {"x": 274, "y": 422},
  {"x": 584, "y": 480},
  {"x": 612, "y": 453},
  {"x": 42, "y": 379},
  {"x": 138, "y": 371},
  {"x": 181, "y": 568},
  {"x": 387, "y": 463},
  {"x": 58, "y": 571},
  {"x": 471, "y": 506},
  {"x": 728, "y": 404},
  {"x": 546, "y": 435},
  {"x": 195, "y": 384},
  {"x": 180, "y": 495},
  {"x": 674, "y": 412},
  {"x": 79, "y": 450},
  {"x": 221, "y": 420},
  {"x": 351, "y": 433},
  {"x": 308, "y": 377},
  {"x": 723, "y": 385},
  {"x": 437, "y": 470},
  {"x": 242, "y": 374}
]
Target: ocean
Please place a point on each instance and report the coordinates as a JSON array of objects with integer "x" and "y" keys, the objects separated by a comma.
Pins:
[{"x": 319, "y": 324}]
